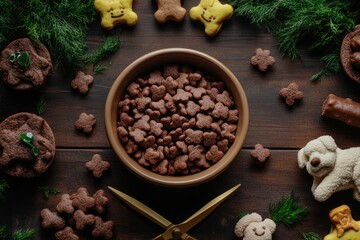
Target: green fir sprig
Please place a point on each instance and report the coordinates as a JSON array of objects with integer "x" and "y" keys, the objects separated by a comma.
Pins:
[
  {"x": 47, "y": 191},
  {"x": 319, "y": 25},
  {"x": 98, "y": 69},
  {"x": 41, "y": 106},
  {"x": 288, "y": 211},
  {"x": 3, "y": 187},
  {"x": 59, "y": 24},
  {"x": 3, "y": 232},
  {"x": 23, "y": 234},
  {"x": 310, "y": 236}
]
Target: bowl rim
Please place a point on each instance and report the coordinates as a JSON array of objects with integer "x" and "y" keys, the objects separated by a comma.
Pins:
[{"x": 165, "y": 180}]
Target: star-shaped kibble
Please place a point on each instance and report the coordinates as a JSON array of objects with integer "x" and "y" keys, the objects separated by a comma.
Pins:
[
  {"x": 103, "y": 230},
  {"x": 97, "y": 166},
  {"x": 81, "y": 199},
  {"x": 212, "y": 14},
  {"x": 262, "y": 59},
  {"x": 82, "y": 82},
  {"x": 260, "y": 153},
  {"x": 291, "y": 94},
  {"x": 85, "y": 122}
]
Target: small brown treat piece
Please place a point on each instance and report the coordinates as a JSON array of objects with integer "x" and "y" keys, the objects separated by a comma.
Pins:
[
  {"x": 220, "y": 111},
  {"x": 206, "y": 103},
  {"x": 81, "y": 200},
  {"x": 27, "y": 145},
  {"x": 343, "y": 109},
  {"x": 196, "y": 92},
  {"x": 228, "y": 131},
  {"x": 171, "y": 70},
  {"x": 260, "y": 153},
  {"x": 142, "y": 103},
  {"x": 233, "y": 116},
  {"x": 124, "y": 105},
  {"x": 138, "y": 135},
  {"x": 133, "y": 89},
  {"x": 225, "y": 98},
  {"x": 181, "y": 145},
  {"x": 65, "y": 205},
  {"x": 17, "y": 74},
  {"x": 203, "y": 121},
  {"x": 223, "y": 145},
  {"x": 101, "y": 201},
  {"x": 177, "y": 121},
  {"x": 152, "y": 156},
  {"x": 51, "y": 219},
  {"x": 213, "y": 92},
  {"x": 66, "y": 234},
  {"x": 171, "y": 85},
  {"x": 85, "y": 122},
  {"x": 262, "y": 59},
  {"x": 193, "y": 136},
  {"x": 157, "y": 92},
  {"x": 142, "y": 123},
  {"x": 355, "y": 59},
  {"x": 214, "y": 155},
  {"x": 291, "y": 94},
  {"x": 125, "y": 120},
  {"x": 195, "y": 152},
  {"x": 209, "y": 139},
  {"x": 123, "y": 134},
  {"x": 181, "y": 163},
  {"x": 161, "y": 167},
  {"x": 97, "y": 166},
  {"x": 182, "y": 96},
  {"x": 82, "y": 220},
  {"x": 103, "y": 230},
  {"x": 156, "y": 128},
  {"x": 349, "y": 46},
  {"x": 169, "y": 10},
  {"x": 159, "y": 105},
  {"x": 189, "y": 124},
  {"x": 82, "y": 82},
  {"x": 182, "y": 80},
  {"x": 192, "y": 108},
  {"x": 155, "y": 78}
]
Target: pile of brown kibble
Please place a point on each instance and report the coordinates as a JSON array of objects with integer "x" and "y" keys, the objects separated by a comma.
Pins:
[{"x": 177, "y": 121}]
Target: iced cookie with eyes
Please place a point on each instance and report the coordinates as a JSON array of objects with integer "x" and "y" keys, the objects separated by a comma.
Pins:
[
  {"x": 211, "y": 13},
  {"x": 115, "y": 12}
]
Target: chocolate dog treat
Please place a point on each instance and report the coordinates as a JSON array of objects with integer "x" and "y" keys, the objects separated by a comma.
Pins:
[
  {"x": 25, "y": 64},
  {"x": 27, "y": 145},
  {"x": 350, "y": 54},
  {"x": 342, "y": 109}
]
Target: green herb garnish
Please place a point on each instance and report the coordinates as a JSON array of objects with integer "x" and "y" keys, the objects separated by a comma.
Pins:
[
  {"x": 47, "y": 191},
  {"x": 21, "y": 58},
  {"x": 3, "y": 187},
  {"x": 319, "y": 25},
  {"x": 3, "y": 232},
  {"x": 41, "y": 106},
  {"x": 99, "y": 69},
  {"x": 310, "y": 236},
  {"x": 25, "y": 234},
  {"x": 288, "y": 211},
  {"x": 27, "y": 138}
]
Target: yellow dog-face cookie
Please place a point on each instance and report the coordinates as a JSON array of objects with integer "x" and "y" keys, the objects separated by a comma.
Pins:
[
  {"x": 211, "y": 13},
  {"x": 115, "y": 12}
]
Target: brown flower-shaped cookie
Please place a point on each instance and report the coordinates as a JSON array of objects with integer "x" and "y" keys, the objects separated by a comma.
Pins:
[
  {"x": 101, "y": 201},
  {"x": 65, "y": 205},
  {"x": 82, "y": 82},
  {"x": 101, "y": 229},
  {"x": 81, "y": 199},
  {"x": 51, "y": 219},
  {"x": 67, "y": 234},
  {"x": 214, "y": 154},
  {"x": 85, "y": 122},
  {"x": 291, "y": 94},
  {"x": 82, "y": 220},
  {"x": 97, "y": 165},
  {"x": 262, "y": 59},
  {"x": 260, "y": 153},
  {"x": 169, "y": 10}
]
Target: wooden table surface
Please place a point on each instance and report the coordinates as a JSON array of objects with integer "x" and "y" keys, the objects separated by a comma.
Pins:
[{"x": 281, "y": 129}]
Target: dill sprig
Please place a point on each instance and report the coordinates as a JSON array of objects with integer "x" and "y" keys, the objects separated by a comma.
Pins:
[
  {"x": 3, "y": 187},
  {"x": 98, "y": 69},
  {"x": 23, "y": 234},
  {"x": 41, "y": 106},
  {"x": 3, "y": 232},
  {"x": 287, "y": 211},
  {"x": 319, "y": 24},
  {"x": 47, "y": 191},
  {"x": 310, "y": 236}
]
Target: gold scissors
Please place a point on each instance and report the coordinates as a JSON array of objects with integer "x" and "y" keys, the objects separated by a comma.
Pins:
[{"x": 174, "y": 231}]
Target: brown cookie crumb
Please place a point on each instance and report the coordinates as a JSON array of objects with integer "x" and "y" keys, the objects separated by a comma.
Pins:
[
  {"x": 260, "y": 154},
  {"x": 85, "y": 122},
  {"x": 262, "y": 59},
  {"x": 97, "y": 165},
  {"x": 291, "y": 94}
]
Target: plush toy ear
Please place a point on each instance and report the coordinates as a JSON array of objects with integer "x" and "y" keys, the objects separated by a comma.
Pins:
[
  {"x": 328, "y": 142},
  {"x": 244, "y": 222},
  {"x": 301, "y": 158},
  {"x": 270, "y": 224}
]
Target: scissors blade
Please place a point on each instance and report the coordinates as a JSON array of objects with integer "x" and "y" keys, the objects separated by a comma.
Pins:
[
  {"x": 142, "y": 208},
  {"x": 200, "y": 214}
]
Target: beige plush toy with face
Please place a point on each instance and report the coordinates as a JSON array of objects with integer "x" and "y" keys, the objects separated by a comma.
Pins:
[
  {"x": 252, "y": 227},
  {"x": 332, "y": 168}
]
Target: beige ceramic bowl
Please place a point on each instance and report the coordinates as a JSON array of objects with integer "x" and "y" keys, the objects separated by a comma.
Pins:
[{"x": 143, "y": 66}]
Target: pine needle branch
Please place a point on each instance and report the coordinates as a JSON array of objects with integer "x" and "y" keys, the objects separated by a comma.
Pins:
[
  {"x": 26, "y": 234},
  {"x": 3, "y": 232},
  {"x": 41, "y": 106},
  {"x": 310, "y": 236},
  {"x": 287, "y": 211},
  {"x": 47, "y": 191}
]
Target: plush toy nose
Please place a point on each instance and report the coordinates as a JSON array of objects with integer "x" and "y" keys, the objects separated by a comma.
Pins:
[{"x": 315, "y": 162}]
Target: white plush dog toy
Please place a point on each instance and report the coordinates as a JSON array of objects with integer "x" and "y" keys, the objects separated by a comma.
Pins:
[
  {"x": 332, "y": 168},
  {"x": 252, "y": 227}
]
